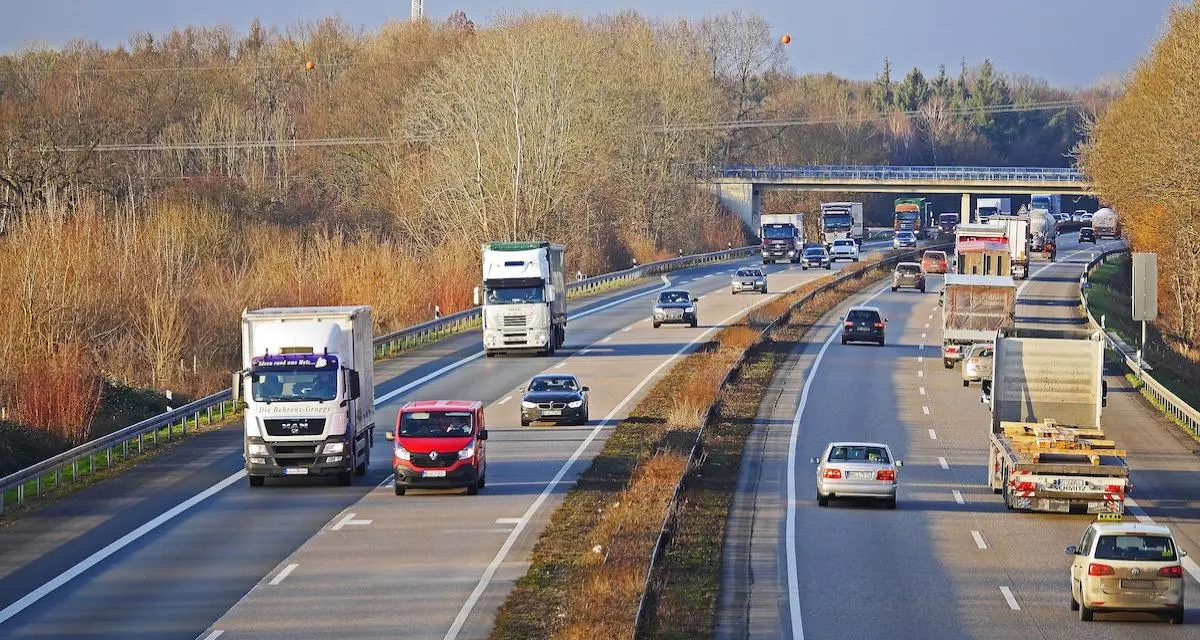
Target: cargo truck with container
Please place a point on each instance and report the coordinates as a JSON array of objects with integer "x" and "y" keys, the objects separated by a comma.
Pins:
[
  {"x": 307, "y": 381},
  {"x": 1047, "y": 449},
  {"x": 910, "y": 215},
  {"x": 842, "y": 221},
  {"x": 985, "y": 208},
  {"x": 1019, "y": 238},
  {"x": 523, "y": 297},
  {"x": 1052, "y": 203},
  {"x": 782, "y": 237},
  {"x": 974, "y": 308},
  {"x": 1106, "y": 224},
  {"x": 981, "y": 249}
]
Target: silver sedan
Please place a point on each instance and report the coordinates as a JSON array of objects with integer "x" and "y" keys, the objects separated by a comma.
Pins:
[
  {"x": 748, "y": 279},
  {"x": 857, "y": 470}
]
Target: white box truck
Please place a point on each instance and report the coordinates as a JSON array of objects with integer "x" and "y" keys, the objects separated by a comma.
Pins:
[
  {"x": 842, "y": 220},
  {"x": 974, "y": 308},
  {"x": 524, "y": 297},
  {"x": 985, "y": 208},
  {"x": 1016, "y": 231},
  {"x": 308, "y": 383}
]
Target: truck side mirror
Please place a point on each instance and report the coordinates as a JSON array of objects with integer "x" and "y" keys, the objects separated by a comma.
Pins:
[
  {"x": 551, "y": 293},
  {"x": 354, "y": 385},
  {"x": 475, "y": 297},
  {"x": 388, "y": 435},
  {"x": 1103, "y": 393},
  {"x": 237, "y": 386},
  {"x": 483, "y": 434}
]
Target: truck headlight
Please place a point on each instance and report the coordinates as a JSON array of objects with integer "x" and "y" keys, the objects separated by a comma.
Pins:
[
  {"x": 467, "y": 451},
  {"x": 333, "y": 447},
  {"x": 402, "y": 453},
  {"x": 791, "y": 253},
  {"x": 257, "y": 449},
  {"x": 576, "y": 404},
  {"x": 525, "y": 404}
]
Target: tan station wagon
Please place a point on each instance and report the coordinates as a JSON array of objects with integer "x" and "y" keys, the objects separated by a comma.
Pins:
[{"x": 1127, "y": 567}]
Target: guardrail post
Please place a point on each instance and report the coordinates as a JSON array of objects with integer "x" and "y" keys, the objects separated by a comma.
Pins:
[{"x": 74, "y": 470}]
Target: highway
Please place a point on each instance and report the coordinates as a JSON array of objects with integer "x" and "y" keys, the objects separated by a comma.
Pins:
[
  {"x": 181, "y": 547},
  {"x": 951, "y": 561}
]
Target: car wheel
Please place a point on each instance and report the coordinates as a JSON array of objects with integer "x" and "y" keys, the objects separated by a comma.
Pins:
[
  {"x": 1085, "y": 614},
  {"x": 585, "y": 419},
  {"x": 1177, "y": 617},
  {"x": 489, "y": 354},
  {"x": 966, "y": 383},
  {"x": 881, "y": 342},
  {"x": 843, "y": 340},
  {"x": 922, "y": 288},
  {"x": 894, "y": 288},
  {"x": 733, "y": 292},
  {"x": 524, "y": 422},
  {"x": 891, "y": 503},
  {"x": 257, "y": 481},
  {"x": 694, "y": 324},
  {"x": 657, "y": 325},
  {"x": 766, "y": 261},
  {"x": 1074, "y": 603},
  {"x": 398, "y": 488},
  {"x": 949, "y": 364},
  {"x": 822, "y": 500},
  {"x": 473, "y": 488},
  {"x": 828, "y": 266},
  {"x": 345, "y": 478},
  {"x": 856, "y": 259},
  {"x": 804, "y": 267},
  {"x": 764, "y": 290}
]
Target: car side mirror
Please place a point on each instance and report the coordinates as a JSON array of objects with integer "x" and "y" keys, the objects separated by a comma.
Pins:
[
  {"x": 388, "y": 435},
  {"x": 1182, "y": 553},
  {"x": 585, "y": 389},
  {"x": 899, "y": 463},
  {"x": 695, "y": 299},
  {"x": 483, "y": 434},
  {"x": 475, "y": 296},
  {"x": 1072, "y": 550},
  {"x": 814, "y": 459}
]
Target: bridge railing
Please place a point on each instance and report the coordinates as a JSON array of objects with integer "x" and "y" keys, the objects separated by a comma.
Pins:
[
  {"x": 888, "y": 172},
  {"x": 101, "y": 453}
]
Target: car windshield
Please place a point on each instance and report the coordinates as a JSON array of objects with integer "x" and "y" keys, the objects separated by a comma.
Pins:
[
  {"x": 293, "y": 385},
  {"x": 436, "y": 424},
  {"x": 980, "y": 352},
  {"x": 908, "y": 269},
  {"x": 935, "y": 255},
  {"x": 843, "y": 243},
  {"x": 555, "y": 383},
  {"x": 905, "y": 235},
  {"x": 862, "y": 315},
  {"x": 515, "y": 295},
  {"x": 814, "y": 252},
  {"x": 1135, "y": 547},
  {"x": 674, "y": 297},
  {"x": 859, "y": 454},
  {"x": 779, "y": 231},
  {"x": 748, "y": 273}
]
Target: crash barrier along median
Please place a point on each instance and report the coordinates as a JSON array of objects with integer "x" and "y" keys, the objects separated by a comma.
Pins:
[
  {"x": 103, "y": 452},
  {"x": 1169, "y": 403},
  {"x": 650, "y": 590}
]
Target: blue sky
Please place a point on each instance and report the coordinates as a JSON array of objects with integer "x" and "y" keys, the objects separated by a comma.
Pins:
[{"x": 1068, "y": 42}]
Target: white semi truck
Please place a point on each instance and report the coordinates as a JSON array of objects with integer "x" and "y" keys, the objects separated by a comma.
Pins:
[
  {"x": 308, "y": 383},
  {"x": 524, "y": 297},
  {"x": 1047, "y": 450},
  {"x": 842, "y": 220},
  {"x": 985, "y": 208}
]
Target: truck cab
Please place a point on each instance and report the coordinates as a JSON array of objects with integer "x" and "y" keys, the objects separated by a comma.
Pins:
[{"x": 440, "y": 444}]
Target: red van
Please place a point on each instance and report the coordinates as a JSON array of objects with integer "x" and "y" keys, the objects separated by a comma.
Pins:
[{"x": 440, "y": 444}]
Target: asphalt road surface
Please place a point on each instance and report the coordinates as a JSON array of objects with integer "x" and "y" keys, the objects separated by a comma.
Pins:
[{"x": 950, "y": 562}]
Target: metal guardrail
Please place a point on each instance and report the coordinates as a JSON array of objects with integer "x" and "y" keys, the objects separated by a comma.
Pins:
[
  {"x": 887, "y": 172},
  {"x": 695, "y": 455},
  {"x": 1168, "y": 402},
  {"x": 87, "y": 457}
]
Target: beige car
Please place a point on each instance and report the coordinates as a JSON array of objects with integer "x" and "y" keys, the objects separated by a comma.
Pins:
[
  {"x": 977, "y": 363},
  {"x": 1127, "y": 567}
]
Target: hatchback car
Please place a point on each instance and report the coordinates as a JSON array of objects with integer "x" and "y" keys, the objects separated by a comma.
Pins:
[
  {"x": 554, "y": 398},
  {"x": 864, "y": 324},
  {"x": 815, "y": 257},
  {"x": 1078, "y": 215},
  {"x": 748, "y": 279},
  {"x": 857, "y": 470},
  {"x": 675, "y": 306},
  {"x": 904, "y": 239},
  {"x": 908, "y": 274},
  {"x": 1127, "y": 567},
  {"x": 1087, "y": 234},
  {"x": 935, "y": 262},
  {"x": 977, "y": 363},
  {"x": 845, "y": 249}
]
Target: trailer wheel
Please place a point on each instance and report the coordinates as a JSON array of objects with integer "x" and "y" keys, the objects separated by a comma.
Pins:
[
  {"x": 345, "y": 478},
  {"x": 257, "y": 481},
  {"x": 361, "y": 469},
  {"x": 949, "y": 364}
]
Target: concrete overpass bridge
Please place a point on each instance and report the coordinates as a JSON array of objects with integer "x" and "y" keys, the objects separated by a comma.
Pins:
[{"x": 740, "y": 188}]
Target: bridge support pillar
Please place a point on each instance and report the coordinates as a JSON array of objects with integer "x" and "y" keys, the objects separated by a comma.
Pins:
[
  {"x": 965, "y": 214},
  {"x": 743, "y": 199}
]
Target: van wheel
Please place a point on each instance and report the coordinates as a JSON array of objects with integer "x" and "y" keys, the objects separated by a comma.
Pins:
[
  {"x": 695, "y": 324},
  {"x": 482, "y": 481},
  {"x": 257, "y": 481},
  {"x": 473, "y": 488},
  {"x": 657, "y": 325},
  {"x": 399, "y": 489},
  {"x": 1177, "y": 617},
  {"x": 966, "y": 383},
  {"x": 345, "y": 478},
  {"x": 1085, "y": 614},
  {"x": 949, "y": 364}
]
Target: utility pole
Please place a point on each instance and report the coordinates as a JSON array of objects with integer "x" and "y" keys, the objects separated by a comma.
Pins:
[{"x": 418, "y": 10}]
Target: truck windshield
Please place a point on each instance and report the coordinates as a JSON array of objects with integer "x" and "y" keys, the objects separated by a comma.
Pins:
[
  {"x": 906, "y": 216},
  {"x": 516, "y": 295},
  {"x": 436, "y": 424},
  {"x": 837, "y": 221},
  {"x": 948, "y": 218},
  {"x": 293, "y": 385},
  {"x": 779, "y": 231}
]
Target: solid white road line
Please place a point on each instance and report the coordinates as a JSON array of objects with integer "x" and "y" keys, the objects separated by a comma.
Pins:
[
  {"x": 490, "y": 571},
  {"x": 793, "y": 574},
  {"x": 942, "y": 461},
  {"x": 507, "y": 520},
  {"x": 627, "y": 328},
  {"x": 1010, "y": 598},
  {"x": 958, "y": 496},
  {"x": 1189, "y": 564},
  {"x": 606, "y": 340},
  {"x": 216, "y": 633},
  {"x": 120, "y": 543},
  {"x": 504, "y": 399},
  {"x": 978, "y": 540},
  {"x": 932, "y": 434},
  {"x": 561, "y": 364},
  {"x": 282, "y": 575},
  {"x": 925, "y": 410}
]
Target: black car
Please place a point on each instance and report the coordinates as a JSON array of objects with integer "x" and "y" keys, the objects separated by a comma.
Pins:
[
  {"x": 863, "y": 324},
  {"x": 554, "y": 398},
  {"x": 675, "y": 306},
  {"x": 1087, "y": 234},
  {"x": 816, "y": 257}
]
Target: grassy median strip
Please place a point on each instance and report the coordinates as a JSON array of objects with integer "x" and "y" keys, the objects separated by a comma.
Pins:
[{"x": 589, "y": 566}]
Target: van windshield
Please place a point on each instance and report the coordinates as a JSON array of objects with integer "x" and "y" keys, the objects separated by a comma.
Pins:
[{"x": 436, "y": 424}]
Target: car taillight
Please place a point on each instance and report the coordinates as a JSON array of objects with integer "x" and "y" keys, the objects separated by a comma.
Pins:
[
  {"x": 878, "y": 325},
  {"x": 1097, "y": 569},
  {"x": 1171, "y": 572},
  {"x": 833, "y": 474},
  {"x": 848, "y": 324},
  {"x": 885, "y": 474}
]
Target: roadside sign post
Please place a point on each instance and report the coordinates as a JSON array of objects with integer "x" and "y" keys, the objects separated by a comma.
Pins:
[{"x": 1145, "y": 295}]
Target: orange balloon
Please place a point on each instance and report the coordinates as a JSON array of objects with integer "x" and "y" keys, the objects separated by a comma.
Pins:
[
  {"x": 311, "y": 65},
  {"x": 785, "y": 39}
]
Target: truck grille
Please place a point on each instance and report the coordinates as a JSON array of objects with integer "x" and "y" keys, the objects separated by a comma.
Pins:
[
  {"x": 295, "y": 455},
  {"x": 514, "y": 322},
  {"x": 294, "y": 426},
  {"x": 444, "y": 459}
]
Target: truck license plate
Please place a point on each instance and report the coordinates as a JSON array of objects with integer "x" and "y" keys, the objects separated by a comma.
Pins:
[
  {"x": 439, "y": 473},
  {"x": 295, "y": 471}
]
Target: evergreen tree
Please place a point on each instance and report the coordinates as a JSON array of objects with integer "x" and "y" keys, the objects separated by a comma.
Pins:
[
  {"x": 913, "y": 92},
  {"x": 882, "y": 97}
]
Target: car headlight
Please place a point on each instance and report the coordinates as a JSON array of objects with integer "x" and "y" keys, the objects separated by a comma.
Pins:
[
  {"x": 690, "y": 310},
  {"x": 402, "y": 453},
  {"x": 467, "y": 451},
  {"x": 657, "y": 309},
  {"x": 525, "y": 404},
  {"x": 257, "y": 449},
  {"x": 576, "y": 404},
  {"x": 333, "y": 447}
]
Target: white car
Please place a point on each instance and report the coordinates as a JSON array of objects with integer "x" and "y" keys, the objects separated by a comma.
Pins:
[
  {"x": 857, "y": 470},
  {"x": 845, "y": 249},
  {"x": 1127, "y": 567},
  {"x": 1078, "y": 215},
  {"x": 904, "y": 239}
]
